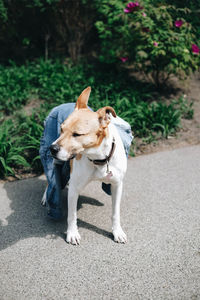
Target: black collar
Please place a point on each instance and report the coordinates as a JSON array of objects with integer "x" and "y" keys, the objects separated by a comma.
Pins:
[{"x": 101, "y": 162}]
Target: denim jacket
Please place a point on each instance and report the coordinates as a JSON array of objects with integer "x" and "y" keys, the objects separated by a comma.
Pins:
[{"x": 58, "y": 172}]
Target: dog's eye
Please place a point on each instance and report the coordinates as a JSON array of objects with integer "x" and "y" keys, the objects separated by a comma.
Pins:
[{"x": 75, "y": 134}]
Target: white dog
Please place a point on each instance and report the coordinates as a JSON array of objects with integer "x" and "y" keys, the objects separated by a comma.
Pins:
[{"x": 99, "y": 155}]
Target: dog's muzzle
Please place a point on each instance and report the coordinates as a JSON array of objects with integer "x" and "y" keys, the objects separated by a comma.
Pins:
[{"x": 54, "y": 148}]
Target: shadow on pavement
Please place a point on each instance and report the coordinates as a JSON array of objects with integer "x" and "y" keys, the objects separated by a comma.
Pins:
[{"x": 27, "y": 218}]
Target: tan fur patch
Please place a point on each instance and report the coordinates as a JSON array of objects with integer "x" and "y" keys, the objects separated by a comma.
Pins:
[
  {"x": 83, "y": 98},
  {"x": 101, "y": 135},
  {"x": 71, "y": 165},
  {"x": 78, "y": 156},
  {"x": 84, "y": 129}
]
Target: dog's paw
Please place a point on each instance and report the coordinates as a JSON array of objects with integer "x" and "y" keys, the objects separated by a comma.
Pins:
[
  {"x": 73, "y": 237},
  {"x": 119, "y": 236}
]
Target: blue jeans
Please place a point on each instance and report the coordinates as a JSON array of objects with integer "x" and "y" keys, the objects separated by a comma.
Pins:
[{"x": 58, "y": 172}]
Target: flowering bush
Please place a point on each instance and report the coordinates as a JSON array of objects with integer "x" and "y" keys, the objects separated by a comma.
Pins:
[{"x": 155, "y": 39}]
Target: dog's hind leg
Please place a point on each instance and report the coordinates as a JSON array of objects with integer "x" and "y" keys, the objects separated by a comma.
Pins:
[{"x": 119, "y": 235}]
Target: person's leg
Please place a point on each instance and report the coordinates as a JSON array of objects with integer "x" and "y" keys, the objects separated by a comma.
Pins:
[
  {"x": 54, "y": 205},
  {"x": 52, "y": 171},
  {"x": 57, "y": 172},
  {"x": 65, "y": 174},
  {"x": 60, "y": 177}
]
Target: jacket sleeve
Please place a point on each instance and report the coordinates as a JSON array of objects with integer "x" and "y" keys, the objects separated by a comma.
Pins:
[{"x": 125, "y": 132}]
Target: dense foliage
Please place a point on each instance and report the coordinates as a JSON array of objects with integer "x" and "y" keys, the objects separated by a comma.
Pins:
[
  {"x": 153, "y": 36},
  {"x": 55, "y": 83},
  {"x": 156, "y": 37}
]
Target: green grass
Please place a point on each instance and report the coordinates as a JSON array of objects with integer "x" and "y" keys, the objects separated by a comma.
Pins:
[
  {"x": 15, "y": 87},
  {"x": 55, "y": 83},
  {"x": 11, "y": 149}
]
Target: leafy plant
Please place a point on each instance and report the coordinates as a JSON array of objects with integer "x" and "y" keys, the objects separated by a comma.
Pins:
[
  {"x": 185, "y": 107},
  {"x": 31, "y": 128},
  {"x": 15, "y": 88},
  {"x": 11, "y": 150},
  {"x": 153, "y": 37},
  {"x": 56, "y": 83}
]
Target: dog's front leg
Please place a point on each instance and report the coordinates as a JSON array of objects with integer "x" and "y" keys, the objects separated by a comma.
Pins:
[
  {"x": 119, "y": 235},
  {"x": 73, "y": 236}
]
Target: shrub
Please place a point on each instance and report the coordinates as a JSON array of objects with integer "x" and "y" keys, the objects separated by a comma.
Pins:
[
  {"x": 154, "y": 38},
  {"x": 20, "y": 142},
  {"x": 15, "y": 88},
  {"x": 185, "y": 108},
  {"x": 146, "y": 118},
  {"x": 57, "y": 83},
  {"x": 11, "y": 149}
]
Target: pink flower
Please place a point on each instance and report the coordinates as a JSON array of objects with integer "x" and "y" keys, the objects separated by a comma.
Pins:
[
  {"x": 123, "y": 59},
  {"x": 144, "y": 14},
  {"x": 155, "y": 44},
  {"x": 126, "y": 10},
  {"x": 131, "y": 6},
  {"x": 195, "y": 49},
  {"x": 178, "y": 23}
]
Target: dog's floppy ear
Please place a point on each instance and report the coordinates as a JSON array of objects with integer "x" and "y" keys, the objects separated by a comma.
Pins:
[
  {"x": 83, "y": 98},
  {"x": 104, "y": 115}
]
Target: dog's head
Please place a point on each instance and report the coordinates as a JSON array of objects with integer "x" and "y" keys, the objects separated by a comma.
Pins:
[{"x": 83, "y": 129}]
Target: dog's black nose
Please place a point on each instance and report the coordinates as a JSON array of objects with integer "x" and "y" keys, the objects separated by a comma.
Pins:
[{"x": 54, "y": 148}]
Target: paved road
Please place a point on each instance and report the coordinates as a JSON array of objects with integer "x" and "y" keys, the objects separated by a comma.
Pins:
[{"x": 160, "y": 213}]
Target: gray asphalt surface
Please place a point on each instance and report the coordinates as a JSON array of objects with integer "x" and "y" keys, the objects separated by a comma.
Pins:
[{"x": 160, "y": 213}]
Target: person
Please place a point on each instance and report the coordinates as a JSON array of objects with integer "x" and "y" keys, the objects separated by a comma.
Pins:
[{"x": 58, "y": 172}]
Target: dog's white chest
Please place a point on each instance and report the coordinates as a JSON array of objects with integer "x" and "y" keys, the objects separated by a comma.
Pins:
[{"x": 111, "y": 175}]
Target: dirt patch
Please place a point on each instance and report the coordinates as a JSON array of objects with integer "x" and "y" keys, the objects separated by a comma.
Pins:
[
  {"x": 189, "y": 134},
  {"x": 31, "y": 105}
]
